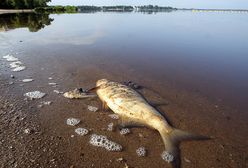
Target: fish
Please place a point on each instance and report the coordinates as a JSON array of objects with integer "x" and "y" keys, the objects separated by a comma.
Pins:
[{"x": 134, "y": 110}]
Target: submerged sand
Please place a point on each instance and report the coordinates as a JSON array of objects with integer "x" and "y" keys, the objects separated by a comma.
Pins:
[{"x": 50, "y": 142}]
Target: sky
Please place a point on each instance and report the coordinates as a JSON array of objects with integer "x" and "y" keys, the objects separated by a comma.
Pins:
[{"x": 220, "y": 4}]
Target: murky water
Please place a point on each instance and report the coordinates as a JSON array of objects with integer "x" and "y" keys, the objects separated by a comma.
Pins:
[{"x": 200, "y": 52}]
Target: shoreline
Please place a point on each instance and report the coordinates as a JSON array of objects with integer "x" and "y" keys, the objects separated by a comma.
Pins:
[{"x": 6, "y": 11}]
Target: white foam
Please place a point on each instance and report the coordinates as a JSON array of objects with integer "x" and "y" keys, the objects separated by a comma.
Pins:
[
  {"x": 35, "y": 94},
  {"x": 27, "y": 80},
  {"x": 15, "y": 64},
  {"x": 110, "y": 127},
  {"x": 92, "y": 108},
  {"x": 81, "y": 131},
  {"x": 125, "y": 131},
  {"x": 167, "y": 156},
  {"x": 19, "y": 68},
  {"x": 52, "y": 83},
  {"x": 141, "y": 151},
  {"x": 58, "y": 92},
  {"x": 10, "y": 58},
  {"x": 72, "y": 121},
  {"x": 104, "y": 142}
]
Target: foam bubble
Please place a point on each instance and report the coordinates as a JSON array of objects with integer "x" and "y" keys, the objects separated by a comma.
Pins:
[
  {"x": 104, "y": 142},
  {"x": 27, "y": 80},
  {"x": 124, "y": 131},
  {"x": 141, "y": 151},
  {"x": 15, "y": 64},
  {"x": 19, "y": 68},
  {"x": 81, "y": 131},
  {"x": 10, "y": 58},
  {"x": 167, "y": 156},
  {"x": 110, "y": 127},
  {"x": 72, "y": 121},
  {"x": 35, "y": 94}
]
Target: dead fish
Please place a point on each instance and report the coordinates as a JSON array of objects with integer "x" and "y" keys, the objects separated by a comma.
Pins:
[
  {"x": 134, "y": 110},
  {"x": 78, "y": 94}
]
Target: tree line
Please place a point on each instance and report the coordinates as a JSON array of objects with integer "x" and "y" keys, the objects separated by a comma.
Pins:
[{"x": 22, "y": 4}]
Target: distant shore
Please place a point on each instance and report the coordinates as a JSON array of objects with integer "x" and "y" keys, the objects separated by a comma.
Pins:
[{"x": 3, "y": 11}]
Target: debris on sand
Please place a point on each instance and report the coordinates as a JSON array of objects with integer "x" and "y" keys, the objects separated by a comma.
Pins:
[
  {"x": 104, "y": 142},
  {"x": 58, "y": 92},
  {"x": 110, "y": 127},
  {"x": 141, "y": 151},
  {"x": 12, "y": 76},
  {"x": 72, "y": 121},
  {"x": 125, "y": 131},
  {"x": 81, "y": 131},
  {"x": 50, "y": 78},
  {"x": 167, "y": 156},
  {"x": 35, "y": 94},
  {"x": 92, "y": 108},
  {"x": 18, "y": 69},
  {"x": 10, "y": 58},
  {"x": 114, "y": 116},
  {"x": 27, "y": 80}
]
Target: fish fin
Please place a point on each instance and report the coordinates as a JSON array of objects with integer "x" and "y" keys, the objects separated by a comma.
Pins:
[
  {"x": 171, "y": 142},
  {"x": 126, "y": 122},
  {"x": 104, "y": 106}
]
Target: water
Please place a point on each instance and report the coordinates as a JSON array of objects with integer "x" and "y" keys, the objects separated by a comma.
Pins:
[{"x": 205, "y": 53}]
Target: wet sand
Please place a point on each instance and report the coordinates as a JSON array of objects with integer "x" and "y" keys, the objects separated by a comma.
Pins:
[{"x": 51, "y": 144}]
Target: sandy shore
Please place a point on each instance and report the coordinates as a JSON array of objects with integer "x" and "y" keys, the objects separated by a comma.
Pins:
[
  {"x": 52, "y": 143},
  {"x": 4, "y": 11}
]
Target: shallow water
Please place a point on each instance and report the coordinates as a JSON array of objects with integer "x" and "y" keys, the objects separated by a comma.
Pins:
[
  {"x": 193, "y": 67},
  {"x": 200, "y": 52}
]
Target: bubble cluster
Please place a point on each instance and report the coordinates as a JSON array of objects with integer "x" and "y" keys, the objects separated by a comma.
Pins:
[
  {"x": 141, "y": 151},
  {"x": 124, "y": 131},
  {"x": 72, "y": 121},
  {"x": 110, "y": 127},
  {"x": 35, "y": 94},
  {"x": 167, "y": 156},
  {"x": 104, "y": 142},
  {"x": 81, "y": 131}
]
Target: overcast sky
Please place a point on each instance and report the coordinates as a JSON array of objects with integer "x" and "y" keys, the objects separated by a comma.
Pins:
[{"x": 234, "y": 4}]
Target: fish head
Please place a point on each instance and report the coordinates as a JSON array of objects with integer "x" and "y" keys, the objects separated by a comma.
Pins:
[{"x": 101, "y": 82}]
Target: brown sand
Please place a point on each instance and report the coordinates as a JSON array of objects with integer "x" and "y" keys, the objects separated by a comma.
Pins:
[{"x": 50, "y": 143}]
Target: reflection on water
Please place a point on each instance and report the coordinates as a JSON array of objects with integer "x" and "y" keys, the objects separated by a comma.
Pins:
[
  {"x": 201, "y": 52},
  {"x": 34, "y": 22}
]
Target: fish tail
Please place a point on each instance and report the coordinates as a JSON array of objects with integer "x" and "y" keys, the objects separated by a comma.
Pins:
[{"x": 171, "y": 141}]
